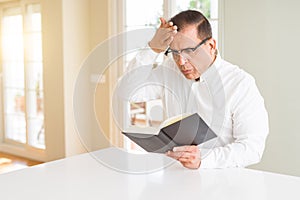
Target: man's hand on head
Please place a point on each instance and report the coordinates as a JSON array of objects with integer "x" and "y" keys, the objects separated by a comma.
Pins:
[
  {"x": 163, "y": 36},
  {"x": 188, "y": 156}
]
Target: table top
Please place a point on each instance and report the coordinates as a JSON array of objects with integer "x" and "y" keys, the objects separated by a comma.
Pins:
[{"x": 85, "y": 177}]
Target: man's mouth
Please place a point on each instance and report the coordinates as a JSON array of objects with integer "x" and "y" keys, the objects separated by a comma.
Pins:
[{"x": 187, "y": 71}]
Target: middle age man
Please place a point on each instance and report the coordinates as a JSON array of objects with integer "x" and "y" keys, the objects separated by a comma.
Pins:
[{"x": 202, "y": 82}]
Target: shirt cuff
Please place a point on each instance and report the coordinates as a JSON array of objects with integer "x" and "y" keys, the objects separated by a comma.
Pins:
[{"x": 208, "y": 159}]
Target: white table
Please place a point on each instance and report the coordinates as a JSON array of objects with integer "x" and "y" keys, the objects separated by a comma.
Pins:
[{"x": 83, "y": 177}]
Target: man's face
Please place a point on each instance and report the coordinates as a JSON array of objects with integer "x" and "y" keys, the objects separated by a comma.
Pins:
[{"x": 191, "y": 64}]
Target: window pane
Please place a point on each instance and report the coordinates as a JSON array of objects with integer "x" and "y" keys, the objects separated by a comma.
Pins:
[
  {"x": 182, "y": 5},
  {"x": 34, "y": 46},
  {"x": 214, "y": 26},
  {"x": 33, "y": 33},
  {"x": 15, "y": 127},
  {"x": 147, "y": 15},
  {"x": 14, "y": 101},
  {"x": 35, "y": 114},
  {"x": 34, "y": 103},
  {"x": 203, "y": 5},
  {"x": 34, "y": 18},
  {"x": 36, "y": 125},
  {"x": 214, "y": 10},
  {"x": 36, "y": 130},
  {"x": 13, "y": 74},
  {"x": 12, "y": 38},
  {"x": 141, "y": 13},
  {"x": 34, "y": 76},
  {"x": 14, "y": 109}
]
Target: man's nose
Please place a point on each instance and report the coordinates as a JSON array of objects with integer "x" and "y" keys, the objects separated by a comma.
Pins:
[{"x": 181, "y": 60}]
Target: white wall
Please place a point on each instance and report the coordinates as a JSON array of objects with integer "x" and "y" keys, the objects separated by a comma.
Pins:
[
  {"x": 99, "y": 33},
  {"x": 85, "y": 26},
  {"x": 53, "y": 78},
  {"x": 76, "y": 40},
  {"x": 262, "y": 37},
  {"x": 71, "y": 29}
]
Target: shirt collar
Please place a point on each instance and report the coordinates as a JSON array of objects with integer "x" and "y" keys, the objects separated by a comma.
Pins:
[{"x": 214, "y": 66}]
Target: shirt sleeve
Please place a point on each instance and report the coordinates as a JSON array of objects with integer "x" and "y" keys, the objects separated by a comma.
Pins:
[
  {"x": 250, "y": 129},
  {"x": 136, "y": 83}
]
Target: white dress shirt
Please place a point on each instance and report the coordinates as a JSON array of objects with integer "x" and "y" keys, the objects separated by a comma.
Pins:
[{"x": 226, "y": 97}]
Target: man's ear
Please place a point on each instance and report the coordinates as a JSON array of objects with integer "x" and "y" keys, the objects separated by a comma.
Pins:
[{"x": 212, "y": 45}]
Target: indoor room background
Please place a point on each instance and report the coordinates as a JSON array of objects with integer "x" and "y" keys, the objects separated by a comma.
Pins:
[{"x": 261, "y": 36}]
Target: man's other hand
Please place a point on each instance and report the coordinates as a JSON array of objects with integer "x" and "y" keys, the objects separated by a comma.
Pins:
[{"x": 188, "y": 156}]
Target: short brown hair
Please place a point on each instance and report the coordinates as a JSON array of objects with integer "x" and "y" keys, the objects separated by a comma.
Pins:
[{"x": 193, "y": 17}]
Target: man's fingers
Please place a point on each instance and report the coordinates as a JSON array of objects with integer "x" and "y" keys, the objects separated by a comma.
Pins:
[
  {"x": 175, "y": 155},
  {"x": 188, "y": 156},
  {"x": 163, "y": 36},
  {"x": 191, "y": 165},
  {"x": 168, "y": 31},
  {"x": 163, "y": 22},
  {"x": 178, "y": 155},
  {"x": 187, "y": 160},
  {"x": 168, "y": 37},
  {"x": 166, "y": 34},
  {"x": 181, "y": 148},
  {"x": 185, "y": 148},
  {"x": 169, "y": 40}
]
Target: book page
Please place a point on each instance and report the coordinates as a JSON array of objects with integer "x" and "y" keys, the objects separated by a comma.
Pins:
[
  {"x": 174, "y": 119},
  {"x": 142, "y": 130}
]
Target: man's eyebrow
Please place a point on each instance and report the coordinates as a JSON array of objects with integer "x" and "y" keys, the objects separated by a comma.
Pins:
[{"x": 188, "y": 48}]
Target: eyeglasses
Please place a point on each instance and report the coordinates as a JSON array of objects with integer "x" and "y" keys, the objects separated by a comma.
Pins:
[{"x": 186, "y": 51}]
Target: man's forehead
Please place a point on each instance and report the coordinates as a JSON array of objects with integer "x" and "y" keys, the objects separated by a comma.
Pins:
[
  {"x": 185, "y": 39},
  {"x": 189, "y": 30}
]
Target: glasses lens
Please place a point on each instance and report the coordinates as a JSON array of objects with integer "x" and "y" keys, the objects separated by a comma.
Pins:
[
  {"x": 187, "y": 53},
  {"x": 175, "y": 55},
  {"x": 184, "y": 54}
]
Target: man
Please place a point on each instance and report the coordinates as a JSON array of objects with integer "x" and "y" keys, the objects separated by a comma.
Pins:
[{"x": 225, "y": 96}]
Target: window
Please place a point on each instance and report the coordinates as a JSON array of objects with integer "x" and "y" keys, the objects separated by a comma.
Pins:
[{"x": 22, "y": 75}]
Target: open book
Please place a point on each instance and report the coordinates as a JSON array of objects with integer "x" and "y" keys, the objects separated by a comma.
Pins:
[{"x": 191, "y": 130}]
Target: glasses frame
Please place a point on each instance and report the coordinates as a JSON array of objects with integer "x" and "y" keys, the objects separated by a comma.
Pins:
[{"x": 169, "y": 50}]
